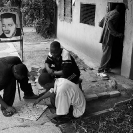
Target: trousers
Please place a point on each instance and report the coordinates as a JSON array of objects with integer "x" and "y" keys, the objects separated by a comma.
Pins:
[
  {"x": 10, "y": 89},
  {"x": 106, "y": 57}
]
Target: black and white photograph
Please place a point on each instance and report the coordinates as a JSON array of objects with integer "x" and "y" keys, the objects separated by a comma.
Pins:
[
  {"x": 9, "y": 23},
  {"x": 66, "y": 66}
]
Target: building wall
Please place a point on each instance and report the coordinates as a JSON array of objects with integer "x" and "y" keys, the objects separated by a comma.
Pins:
[
  {"x": 82, "y": 37},
  {"x": 85, "y": 38},
  {"x": 127, "y": 63}
]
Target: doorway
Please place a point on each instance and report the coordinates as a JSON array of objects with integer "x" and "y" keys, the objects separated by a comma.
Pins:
[{"x": 117, "y": 49}]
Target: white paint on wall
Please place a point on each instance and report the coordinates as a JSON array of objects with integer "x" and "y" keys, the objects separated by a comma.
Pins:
[{"x": 85, "y": 38}]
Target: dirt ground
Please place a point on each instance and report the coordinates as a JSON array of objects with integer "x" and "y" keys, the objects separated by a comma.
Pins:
[{"x": 36, "y": 49}]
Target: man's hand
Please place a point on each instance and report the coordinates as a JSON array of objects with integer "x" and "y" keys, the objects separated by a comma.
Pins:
[
  {"x": 11, "y": 109},
  {"x": 36, "y": 102}
]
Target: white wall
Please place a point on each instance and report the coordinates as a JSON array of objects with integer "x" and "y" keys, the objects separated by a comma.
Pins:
[
  {"x": 127, "y": 68},
  {"x": 85, "y": 38}
]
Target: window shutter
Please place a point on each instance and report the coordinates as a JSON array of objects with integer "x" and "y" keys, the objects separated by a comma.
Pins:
[
  {"x": 87, "y": 15},
  {"x": 61, "y": 10},
  {"x": 68, "y": 10}
]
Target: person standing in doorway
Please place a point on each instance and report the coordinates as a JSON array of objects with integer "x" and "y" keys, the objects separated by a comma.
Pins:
[{"x": 110, "y": 24}]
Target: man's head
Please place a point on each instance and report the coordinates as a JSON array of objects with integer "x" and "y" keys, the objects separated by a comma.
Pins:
[
  {"x": 9, "y": 26},
  {"x": 55, "y": 49},
  {"x": 120, "y": 7},
  {"x": 20, "y": 71},
  {"x": 46, "y": 81}
]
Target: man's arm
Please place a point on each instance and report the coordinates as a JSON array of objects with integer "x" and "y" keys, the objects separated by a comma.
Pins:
[
  {"x": 101, "y": 23},
  {"x": 58, "y": 73},
  {"x": 46, "y": 95},
  {"x": 47, "y": 66},
  {"x": 48, "y": 62},
  {"x": 3, "y": 104},
  {"x": 112, "y": 30},
  {"x": 8, "y": 108},
  {"x": 52, "y": 72},
  {"x": 111, "y": 24},
  {"x": 49, "y": 70}
]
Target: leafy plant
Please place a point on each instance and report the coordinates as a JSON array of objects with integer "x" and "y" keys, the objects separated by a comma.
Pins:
[
  {"x": 38, "y": 13},
  {"x": 41, "y": 15}
]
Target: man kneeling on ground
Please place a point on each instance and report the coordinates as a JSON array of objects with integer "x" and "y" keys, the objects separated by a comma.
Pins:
[
  {"x": 65, "y": 96},
  {"x": 12, "y": 69}
]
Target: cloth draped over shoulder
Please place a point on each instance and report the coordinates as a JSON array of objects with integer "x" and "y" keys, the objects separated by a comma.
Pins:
[{"x": 109, "y": 24}]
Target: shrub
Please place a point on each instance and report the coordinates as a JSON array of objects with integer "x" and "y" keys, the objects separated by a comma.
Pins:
[{"x": 41, "y": 14}]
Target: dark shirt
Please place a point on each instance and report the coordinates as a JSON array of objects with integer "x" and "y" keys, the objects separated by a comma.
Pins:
[
  {"x": 18, "y": 33},
  {"x": 6, "y": 64},
  {"x": 66, "y": 63},
  {"x": 110, "y": 24}
]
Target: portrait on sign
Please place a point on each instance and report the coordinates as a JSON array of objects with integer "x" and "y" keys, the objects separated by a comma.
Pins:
[{"x": 9, "y": 23}]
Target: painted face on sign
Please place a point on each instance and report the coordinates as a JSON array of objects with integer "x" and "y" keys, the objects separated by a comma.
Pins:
[{"x": 8, "y": 27}]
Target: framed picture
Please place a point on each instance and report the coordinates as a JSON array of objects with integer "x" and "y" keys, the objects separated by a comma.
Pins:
[{"x": 10, "y": 28}]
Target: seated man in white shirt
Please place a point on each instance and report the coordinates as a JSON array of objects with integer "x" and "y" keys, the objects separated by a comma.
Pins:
[{"x": 63, "y": 95}]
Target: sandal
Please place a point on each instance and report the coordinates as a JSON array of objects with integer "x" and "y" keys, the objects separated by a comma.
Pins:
[
  {"x": 103, "y": 75},
  {"x": 6, "y": 113}
]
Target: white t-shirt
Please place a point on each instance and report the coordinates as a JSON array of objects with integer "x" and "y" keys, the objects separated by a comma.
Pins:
[{"x": 68, "y": 93}]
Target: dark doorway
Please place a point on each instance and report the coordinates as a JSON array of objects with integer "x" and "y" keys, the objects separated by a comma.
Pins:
[{"x": 117, "y": 49}]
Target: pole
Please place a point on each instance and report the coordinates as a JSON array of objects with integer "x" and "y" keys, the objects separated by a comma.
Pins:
[
  {"x": 18, "y": 91},
  {"x": 21, "y": 37}
]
